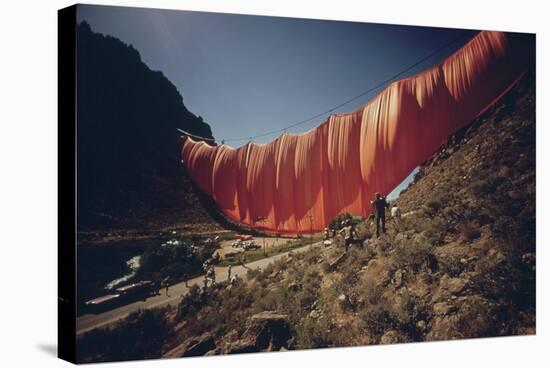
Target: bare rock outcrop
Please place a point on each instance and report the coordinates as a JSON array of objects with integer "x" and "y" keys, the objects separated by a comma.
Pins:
[{"x": 265, "y": 331}]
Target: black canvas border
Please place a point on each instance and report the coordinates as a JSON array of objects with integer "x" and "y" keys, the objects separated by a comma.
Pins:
[{"x": 66, "y": 187}]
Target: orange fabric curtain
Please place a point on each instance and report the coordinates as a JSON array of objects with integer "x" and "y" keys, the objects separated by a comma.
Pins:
[{"x": 298, "y": 183}]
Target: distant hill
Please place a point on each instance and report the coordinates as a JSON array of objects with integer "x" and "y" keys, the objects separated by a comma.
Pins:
[{"x": 129, "y": 171}]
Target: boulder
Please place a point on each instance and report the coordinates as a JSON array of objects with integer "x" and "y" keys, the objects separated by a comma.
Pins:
[
  {"x": 401, "y": 237},
  {"x": 337, "y": 261},
  {"x": 443, "y": 308},
  {"x": 421, "y": 238},
  {"x": 477, "y": 317},
  {"x": 343, "y": 300},
  {"x": 216, "y": 351},
  {"x": 496, "y": 256},
  {"x": 455, "y": 285},
  {"x": 314, "y": 314},
  {"x": 194, "y": 346},
  {"x": 443, "y": 328},
  {"x": 397, "y": 279},
  {"x": 293, "y": 287},
  {"x": 265, "y": 331}
]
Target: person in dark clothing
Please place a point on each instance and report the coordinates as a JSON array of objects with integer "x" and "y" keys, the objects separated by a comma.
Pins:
[
  {"x": 166, "y": 284},
  {"x": 380, "y": 204}
]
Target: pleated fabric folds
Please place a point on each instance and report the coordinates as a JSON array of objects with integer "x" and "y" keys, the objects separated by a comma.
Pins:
[{"x": 299, "y": 183}]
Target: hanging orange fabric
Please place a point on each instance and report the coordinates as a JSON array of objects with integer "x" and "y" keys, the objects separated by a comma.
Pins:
[{"x": 298, "y": 183}]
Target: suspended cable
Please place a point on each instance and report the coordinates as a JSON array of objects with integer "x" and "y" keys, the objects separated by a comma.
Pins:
[
  {"x": 330, "y": 110},
  {"x": 195, "y": 136}
]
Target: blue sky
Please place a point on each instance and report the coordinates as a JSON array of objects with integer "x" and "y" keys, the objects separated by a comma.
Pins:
[
  {"x": 246, "y": 75},
  {"x": 403, "y": 185}
]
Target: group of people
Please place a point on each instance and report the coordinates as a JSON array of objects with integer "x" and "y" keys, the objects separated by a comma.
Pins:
[{"x": 379, "y": 205}]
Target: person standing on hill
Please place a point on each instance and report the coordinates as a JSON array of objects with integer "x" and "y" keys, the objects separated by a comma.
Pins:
[
  {"x": 166, "y": 284},
  {"x": 348, "y": 231},
  {"x": 380, "y": 204}
]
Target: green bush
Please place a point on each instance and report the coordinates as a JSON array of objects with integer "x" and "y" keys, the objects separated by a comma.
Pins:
[{"x": 175, "y": 260}]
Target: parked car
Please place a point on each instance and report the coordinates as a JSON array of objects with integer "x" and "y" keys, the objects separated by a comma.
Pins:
[
  {"x": 141, "y": 289},
  {"x": 250, "y": 245},
  {"x": 102, "y": 303}
]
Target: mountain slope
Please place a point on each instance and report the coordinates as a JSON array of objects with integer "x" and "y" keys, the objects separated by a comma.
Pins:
[
  {"x": 460, "y": 264},
  {"x": 129, "y": 171}
]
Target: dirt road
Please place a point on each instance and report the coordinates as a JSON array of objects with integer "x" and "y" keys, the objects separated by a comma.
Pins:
[{"x": 88, "y": 322}]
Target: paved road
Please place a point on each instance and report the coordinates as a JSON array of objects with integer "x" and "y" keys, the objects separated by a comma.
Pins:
[{"x": 88, "y": 322}]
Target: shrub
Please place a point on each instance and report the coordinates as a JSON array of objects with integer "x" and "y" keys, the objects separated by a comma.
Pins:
[
  {"x": 175, "y": 260},
  {"x": 252, "y": 273},
  {"x": 364, "y": 230},
  {"x": 435, "y": 230},
  {"x": 276, "y": 300},
  {"x": 336, "y": 223},
  {"x": 433, "y": 206},
  {"x": 403, "y": 310},
  {"x": 311, "y": 333},
  {"x": 139, "y": 336},
  {"x": 478, "y": 187},
  {"x": 471, "y": 232},
  {"x": 369, "y": 292},
  {"x": 451, "y": 214},
  {"x": 190, "y": 303},
  {"x": 413, "y": 254},
  {"x": 378, "y": 319},
  {"x": 450, "y": 265},
  {"x": 227, "y": 310},
  {"x": 504, "y": 227}
]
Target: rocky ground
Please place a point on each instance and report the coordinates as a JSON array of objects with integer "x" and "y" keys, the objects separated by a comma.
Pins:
[{"x": 460, "y": 264}]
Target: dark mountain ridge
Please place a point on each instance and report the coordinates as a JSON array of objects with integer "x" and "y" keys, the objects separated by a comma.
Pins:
[{"x": 128, "y": 150}]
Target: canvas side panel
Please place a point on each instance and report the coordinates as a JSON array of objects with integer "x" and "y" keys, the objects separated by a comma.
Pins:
[{"x": 66, "y": 187}]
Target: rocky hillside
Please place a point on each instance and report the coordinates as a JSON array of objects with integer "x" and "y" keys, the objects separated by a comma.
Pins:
[
  {"x": 129, "y": 170},
  {"x": 459, "y": 264}
]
